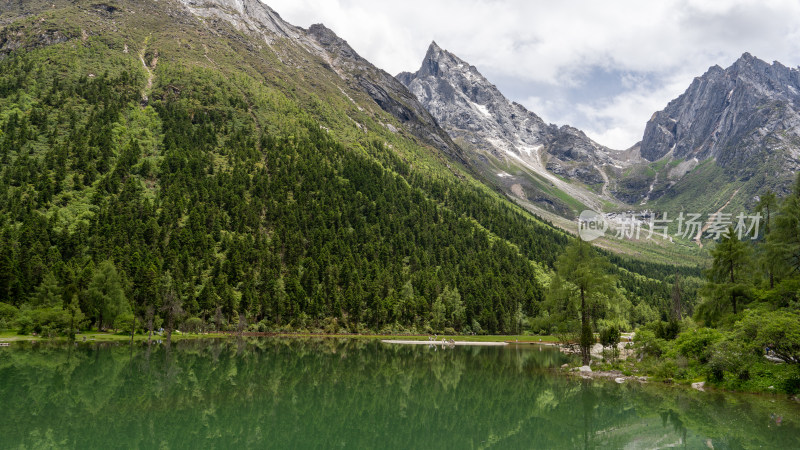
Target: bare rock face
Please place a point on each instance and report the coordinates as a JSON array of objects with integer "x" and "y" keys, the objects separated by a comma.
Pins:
[
  {"x": 739, "y": 127},
  {"x": 738, "y": 116},
  {"x": 473, "y": 110},
  {"x": 245, "y": 15}
]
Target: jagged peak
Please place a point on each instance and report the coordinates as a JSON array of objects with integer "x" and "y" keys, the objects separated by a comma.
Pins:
[
  {"x": 320, "y": 28},
  {"x": 746, "y": 60},
  {"x": 438, "y": 60},
  {"x": 331, "y": 41},
  {"x": 435, "y": 51},
  {"x": 712, "y": 71},
  {"x": 749, "y": 61},
  {"x": 747, "y": 65}
]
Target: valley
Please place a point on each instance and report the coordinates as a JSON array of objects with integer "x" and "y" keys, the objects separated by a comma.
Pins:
[{"x": 204, "y": 168}]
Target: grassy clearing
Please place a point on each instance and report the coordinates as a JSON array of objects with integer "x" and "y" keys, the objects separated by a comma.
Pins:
[{"x": 465, "y": 338}]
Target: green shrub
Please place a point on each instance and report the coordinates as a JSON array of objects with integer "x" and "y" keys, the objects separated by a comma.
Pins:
[
  {"x": 124, "y": 322},
  {"x": 667, "y": 330},
  {"x": 667, "y": 370},
  {"x": 791, "y": 385},
  {"x": 610, "y": 336},
  {"x": 53, "y": 320},
  {"x": 330, "y": 325},
  {"x": 8, "y": 314},
  {"x": 729, "y": 355},
  {"x": 193, "y": 325},
  {"x": 779, "y": 331},
  {"x": 542, "y": 324},
  {"x": 649, "y": 344},
  {"x": 698, "y": 343},
  {"x": 24, "y": 324}
]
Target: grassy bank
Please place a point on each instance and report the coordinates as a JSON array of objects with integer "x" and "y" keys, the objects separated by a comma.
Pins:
[
  {"x": 103, "y": 337},
  {"x": 10, "y": 336}
]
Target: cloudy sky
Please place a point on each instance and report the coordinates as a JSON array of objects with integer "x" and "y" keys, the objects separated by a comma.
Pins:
[{"x": 602, "y": 66}]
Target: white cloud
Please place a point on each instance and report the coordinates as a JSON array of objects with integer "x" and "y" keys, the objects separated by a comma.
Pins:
[{"x": 559, "y": 47}]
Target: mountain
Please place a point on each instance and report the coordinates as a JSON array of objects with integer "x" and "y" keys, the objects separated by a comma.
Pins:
[
  {"x": 204, "y": 163},
  {"x": 557, "y": 168},
  {"x": 735, "y": 129},
  {"x": 213, "y": 162}
]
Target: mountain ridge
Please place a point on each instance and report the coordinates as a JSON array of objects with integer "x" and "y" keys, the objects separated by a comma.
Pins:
[
  {"x": 209, "y": 169},
  {"x": 734, "y": 128},
  {"x": 503, "y": 134}
]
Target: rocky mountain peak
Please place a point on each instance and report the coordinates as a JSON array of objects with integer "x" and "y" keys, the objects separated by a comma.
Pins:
[
  {"x": 722, "y": 109},
  {"x": 471, "y": 109},
  {"x": 749, "y": 66},
  {"x": 438, "y": 60},
  {"x": 745, "y": 119},
  {"x": 329, "y": 40}
]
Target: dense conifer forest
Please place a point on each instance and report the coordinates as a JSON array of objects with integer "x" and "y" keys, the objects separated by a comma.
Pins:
[{"x": 212, "y": 200}]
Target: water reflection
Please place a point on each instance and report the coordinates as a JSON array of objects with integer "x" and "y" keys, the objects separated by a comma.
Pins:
[{"x": 289, "y": 393}]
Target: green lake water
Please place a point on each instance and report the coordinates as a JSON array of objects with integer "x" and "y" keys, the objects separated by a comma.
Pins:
[{"x": 293, "y": 393}]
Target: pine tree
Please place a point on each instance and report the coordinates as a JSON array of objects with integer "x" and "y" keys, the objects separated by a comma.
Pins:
[
  {"x": 783, "y": 241},
  {"x": 48, "y": 293},
  {"x": 729, "y": 270},
  {"x": 766, "y": 205},
  {"x": 438, "y": 314},
  {"x": 106, "y": 295},
  {"x": 171, "y": 302},
  {"x": 677, "y": 307},
  {"x": 586, "y": 271}
]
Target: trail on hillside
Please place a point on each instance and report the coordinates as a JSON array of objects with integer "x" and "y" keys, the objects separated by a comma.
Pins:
[
  {"x": 150, "y": 75},
  {"x": 606, "y": 181}
]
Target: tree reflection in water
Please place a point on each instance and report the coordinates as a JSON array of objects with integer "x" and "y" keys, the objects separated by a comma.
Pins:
[{"x": 355, "y": 394}]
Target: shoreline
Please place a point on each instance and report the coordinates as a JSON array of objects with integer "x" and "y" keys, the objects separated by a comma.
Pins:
[
  {"x": 613, "y": 375},
  {"x": 422, "y": 338},
  {"x": 443, "y": 343}
]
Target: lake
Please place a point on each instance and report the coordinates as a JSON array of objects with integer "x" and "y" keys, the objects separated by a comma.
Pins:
[{"x": 339, "y": 393}]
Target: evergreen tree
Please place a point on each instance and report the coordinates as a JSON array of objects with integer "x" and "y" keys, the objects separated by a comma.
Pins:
[
  {"x": 729, "y": 272},
  {"x": 171, "y": 303},
  {"x": 676, "y": 311},
  {"x": 588, "y": 280},
  {"x": 438, "y": 314},
  {"x": 48, "y": 293},
  {"x": 783, "y": 241},
  {"x": 106, "y": 295},
  {"x": 766, "y": 205},
  {"x": 75, "y": 315},
  {"x": 456, "y": 312}
]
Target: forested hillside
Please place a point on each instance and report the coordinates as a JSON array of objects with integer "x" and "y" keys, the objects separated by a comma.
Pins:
[{"x": 181, "y": 176}]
